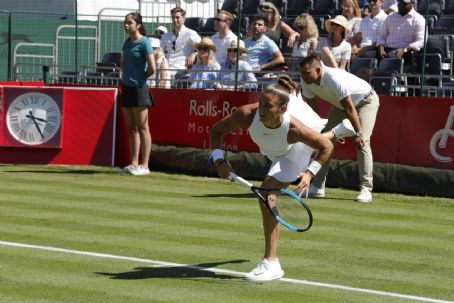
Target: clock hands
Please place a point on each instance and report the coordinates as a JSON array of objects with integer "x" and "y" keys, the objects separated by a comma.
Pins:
[{"x": 31, "y": 116}]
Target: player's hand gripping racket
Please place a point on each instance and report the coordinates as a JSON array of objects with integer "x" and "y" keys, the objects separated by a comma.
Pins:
[{"x": 287, "y": 207}]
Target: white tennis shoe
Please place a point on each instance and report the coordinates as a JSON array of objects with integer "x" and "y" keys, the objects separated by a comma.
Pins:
[
  {"x": 140, "y": 171},
  {"x": 315, "y": 192},
  {"x": 127, "y": 169},
  {"x": 266, "y": 270},
  {"x": 343, "y": 130},
  {"x": 365, "y": 196}
]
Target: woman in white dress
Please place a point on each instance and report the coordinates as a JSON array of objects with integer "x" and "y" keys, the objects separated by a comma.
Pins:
[{"x": 335, "y": 51}]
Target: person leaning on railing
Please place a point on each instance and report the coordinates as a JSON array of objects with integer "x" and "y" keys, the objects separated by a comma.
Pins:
[{"x": 226, "y": 77}]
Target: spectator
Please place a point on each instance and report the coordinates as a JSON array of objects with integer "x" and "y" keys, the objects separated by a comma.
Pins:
[
  {"x": 352, "y": 12},
  {"x": 137, "y": 63},
  {"x": 204, "y": 72},
  {"x": 177, "y": 44},
  {"x": 335, "y": 51},
  {"x": 402, "y": 33},
  {"x": 237, "y": 54},
  {"x": 161, "y": 66},
  {"x": 307, "y": 42},
  {"x": 263, "y": 53},
  {"x": 366, "y": 39},
  {"x": 161, "y": 30},
  {"x": 351, "y": 98},
  {"x": 277, "y": 29},
  {"x": 224, "y": 36},
  {"x": 389, "y": 6}
]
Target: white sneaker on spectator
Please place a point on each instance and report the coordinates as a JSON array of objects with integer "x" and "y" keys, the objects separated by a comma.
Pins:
[
  {"x": 365, "y": 196},
  {"x": 315, "y": 192},
  {"x": 343, "y": 130},
  {"x": 266, "y": 270},
  {"x": 127, "y": 169},
  {"x": 140, "y": 171}
]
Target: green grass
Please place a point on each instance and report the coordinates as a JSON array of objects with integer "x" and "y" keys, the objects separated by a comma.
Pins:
[{"x": 400, "y": 244}]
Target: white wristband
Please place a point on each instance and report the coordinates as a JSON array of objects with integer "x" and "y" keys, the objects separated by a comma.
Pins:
[
  {"x": 314, "y": 167},
  {"x": 217, "y": 154}
]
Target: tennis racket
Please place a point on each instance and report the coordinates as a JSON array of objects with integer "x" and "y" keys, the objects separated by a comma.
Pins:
[{"x": 287, "y": 207}]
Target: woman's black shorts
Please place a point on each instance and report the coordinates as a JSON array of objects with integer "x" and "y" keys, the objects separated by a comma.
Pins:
[{"x": 136, "y": 96}]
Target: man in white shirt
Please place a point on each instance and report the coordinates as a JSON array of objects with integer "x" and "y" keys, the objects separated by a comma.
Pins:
[
  {"x": 224, "y": 36},
  {"x": 369, "y": 29},
  {"x": 178, "y": 44},
  {"x": 351, "y": 98},
  {"x": 402, "y": 32}
]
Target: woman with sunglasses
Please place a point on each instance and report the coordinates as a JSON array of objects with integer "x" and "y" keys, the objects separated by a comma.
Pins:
[
  {"x": 236, "y": 53},
  {"x": 277, "y": 28},
  {"x": 307, "y": 42},
  {"x": 335, "y": 51},
  {"x": 205, "y": 72}
]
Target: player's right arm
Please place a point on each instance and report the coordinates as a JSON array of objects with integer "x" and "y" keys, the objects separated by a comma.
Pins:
[{"x": 241, "y": 118}]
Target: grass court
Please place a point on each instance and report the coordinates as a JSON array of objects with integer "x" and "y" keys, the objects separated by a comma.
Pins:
[{"x": 87, "y": 234}]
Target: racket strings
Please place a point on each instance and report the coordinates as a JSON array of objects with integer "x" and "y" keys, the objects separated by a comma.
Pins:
[{"x": 289, "y": 209}]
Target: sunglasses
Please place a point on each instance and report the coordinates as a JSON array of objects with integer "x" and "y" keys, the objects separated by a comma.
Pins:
[
  {"x": 203, "y": 49},
  {"x": 219, "y": 19},
  {"x": 232, "y": 50},
  {"x": 372, "y": 1},
  {"x": 266, "y": 8},
  {"x": 300, "y": 27},
  {"x": 173, "y": 45}
]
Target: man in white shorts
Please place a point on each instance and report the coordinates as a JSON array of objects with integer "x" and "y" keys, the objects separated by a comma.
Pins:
[
  {"x": 288, "y": 143},
  {"x": 351, "y": 97}
]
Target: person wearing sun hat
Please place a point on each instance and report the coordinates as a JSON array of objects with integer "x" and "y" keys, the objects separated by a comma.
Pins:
[
  {"x": 236, "y": 52},
  {"x": 204, "y": 72},
  {"x": 161, "y": 66},
  {"x": 334, "y": 50},
  {"x": 161, "y": 30}
]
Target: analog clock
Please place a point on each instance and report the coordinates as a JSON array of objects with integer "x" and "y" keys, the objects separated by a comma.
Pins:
[{"x": 33, "y": 118}]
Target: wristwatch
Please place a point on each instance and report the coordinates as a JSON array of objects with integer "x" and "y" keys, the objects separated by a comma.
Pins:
[{"x": 359, "y": 133}]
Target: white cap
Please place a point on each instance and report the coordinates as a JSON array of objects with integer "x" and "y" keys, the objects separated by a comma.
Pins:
[
  {"x": 155, "y": 42},
  {"x": 162, "y": 29}
]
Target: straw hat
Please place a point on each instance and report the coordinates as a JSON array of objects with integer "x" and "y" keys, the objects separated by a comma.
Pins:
[
  {"x": 339, "y": 19},
  {"x": 241, "y": 45},
  {"x": 207, "y": 42}
]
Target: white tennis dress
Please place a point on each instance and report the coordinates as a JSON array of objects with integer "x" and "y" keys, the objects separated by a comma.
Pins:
[{"x": 288, "y": 160}]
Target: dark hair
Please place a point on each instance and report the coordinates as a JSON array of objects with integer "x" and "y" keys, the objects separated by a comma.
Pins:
[
  {"x": 313, "y": 60},
  {"x": 261, "y": 17},
  {"x": 138, "y": 18},
  {"x": 283, "y": 88},
  {"x": 178, "y": 10}
]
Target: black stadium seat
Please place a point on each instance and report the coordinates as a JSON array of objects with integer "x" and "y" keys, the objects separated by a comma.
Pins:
[
  {"x": 194, "y": 23},
  {"x": 297, "y": 7}
]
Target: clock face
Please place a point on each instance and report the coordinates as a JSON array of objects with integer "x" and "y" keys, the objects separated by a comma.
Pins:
[{"x": 33, "y": 118}]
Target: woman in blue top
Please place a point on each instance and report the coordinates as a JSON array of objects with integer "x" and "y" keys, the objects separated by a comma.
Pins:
[
  {"x": 237, "y": 52},
  {"x": 137, "y": 64},
  {"x": 205, "y": 72}
]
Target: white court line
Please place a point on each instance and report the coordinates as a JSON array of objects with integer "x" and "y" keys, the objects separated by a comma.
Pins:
[{"x": 223, "y": 271}]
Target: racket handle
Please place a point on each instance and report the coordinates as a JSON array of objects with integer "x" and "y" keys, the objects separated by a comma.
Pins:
[{"x": 234, "y": 177}]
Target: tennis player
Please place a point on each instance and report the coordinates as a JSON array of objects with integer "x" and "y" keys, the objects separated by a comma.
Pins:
[{"x": 287, "y": 136}]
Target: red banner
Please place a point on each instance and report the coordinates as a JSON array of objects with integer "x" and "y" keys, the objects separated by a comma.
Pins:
[{"x": 409, "y": 131}]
